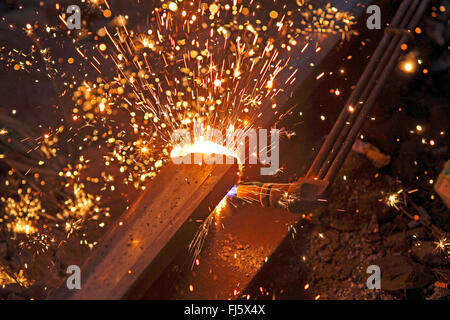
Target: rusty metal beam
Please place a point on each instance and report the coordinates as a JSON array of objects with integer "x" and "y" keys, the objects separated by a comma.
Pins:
[{"x": 144, "y": 240}]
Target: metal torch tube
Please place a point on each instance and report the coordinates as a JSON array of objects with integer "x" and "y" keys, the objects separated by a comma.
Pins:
[
  {"x": 342, "y": 155},
  {"x": 367, "y": 90},
  {"x": 331, "y": 138}
]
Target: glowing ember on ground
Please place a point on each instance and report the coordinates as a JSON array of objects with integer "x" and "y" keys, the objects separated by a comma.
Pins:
[{"x": 392, "y": 200}]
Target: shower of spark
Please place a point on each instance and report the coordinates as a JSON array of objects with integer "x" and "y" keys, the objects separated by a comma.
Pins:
[
  {"x": 208, "y": 62},
  {"x": 195, "y": 62}
]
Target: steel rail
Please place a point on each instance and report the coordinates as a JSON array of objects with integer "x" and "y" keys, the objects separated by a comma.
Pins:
[{"x": 145, "y": 239}]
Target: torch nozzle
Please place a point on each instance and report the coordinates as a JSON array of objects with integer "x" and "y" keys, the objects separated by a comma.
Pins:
[{"x": 305, "y": 194}]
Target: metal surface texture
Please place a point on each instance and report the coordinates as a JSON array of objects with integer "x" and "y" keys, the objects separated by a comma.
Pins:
[{"x": 147, "y": 236}]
